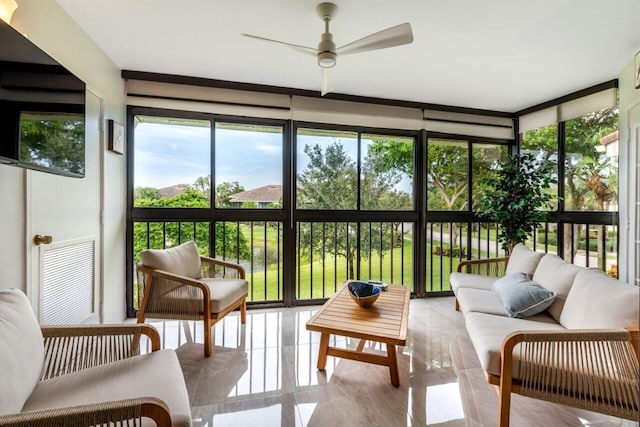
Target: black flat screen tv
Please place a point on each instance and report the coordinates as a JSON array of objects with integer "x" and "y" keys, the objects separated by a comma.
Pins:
[{"x": 42, "y": 109}]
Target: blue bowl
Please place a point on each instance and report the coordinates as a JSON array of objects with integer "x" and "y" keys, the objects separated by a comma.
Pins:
[{"x": 364, "y": 294}]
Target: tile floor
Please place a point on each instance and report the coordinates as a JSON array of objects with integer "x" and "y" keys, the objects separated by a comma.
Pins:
[{"x": 264, "y": 373}]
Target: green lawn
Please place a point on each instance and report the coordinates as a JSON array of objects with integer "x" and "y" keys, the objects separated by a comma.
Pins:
[{"x": 321, "y": 278}]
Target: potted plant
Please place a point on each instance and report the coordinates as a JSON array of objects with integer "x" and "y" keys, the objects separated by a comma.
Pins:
[{"x": 516, "y": 198}]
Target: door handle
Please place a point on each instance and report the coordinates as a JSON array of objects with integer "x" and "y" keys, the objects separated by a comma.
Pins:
[{"x": 42, "y": 240}]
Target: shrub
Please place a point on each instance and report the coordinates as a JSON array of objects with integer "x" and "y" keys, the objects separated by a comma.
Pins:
[{"x": 446, "y": 250}]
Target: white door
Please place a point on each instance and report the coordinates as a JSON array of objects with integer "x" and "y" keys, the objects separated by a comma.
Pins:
[{"x": 62, "y": 276}]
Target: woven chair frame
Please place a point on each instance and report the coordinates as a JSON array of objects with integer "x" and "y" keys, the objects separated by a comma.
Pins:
[
  {"x": 595, "y": 370},
  {"x": 128, "y": 412},
  {"x": 72, "y": 348},
  {"x": 486, "y": 267}
]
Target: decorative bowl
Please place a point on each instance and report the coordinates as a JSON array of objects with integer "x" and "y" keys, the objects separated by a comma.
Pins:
[{"x": 364, "y": 294}]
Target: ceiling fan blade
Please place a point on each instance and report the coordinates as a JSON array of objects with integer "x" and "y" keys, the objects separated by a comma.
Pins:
[
  {"x": 327, "y": 80},
  {"x": 303, "y": 49},
  {"x": 394, "y": 36}
]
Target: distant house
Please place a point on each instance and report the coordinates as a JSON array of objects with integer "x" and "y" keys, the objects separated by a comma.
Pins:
[
  {"x": 173, "y": 191},
  {"x": 261, "y": 196},
  {"x": 609, "y": 145}
]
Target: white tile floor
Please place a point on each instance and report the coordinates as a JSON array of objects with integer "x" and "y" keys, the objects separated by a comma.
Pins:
[{"x": 264, "y": 373}]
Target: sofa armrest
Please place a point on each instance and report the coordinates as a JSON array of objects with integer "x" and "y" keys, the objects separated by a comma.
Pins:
[
  {"x": 210, "y": 264},
  {"x": 104, "y": 413},
  {"x": 75, "y": 347},
  {"x": 485, "y": 267},
  {"x": 596, "y": 370}
]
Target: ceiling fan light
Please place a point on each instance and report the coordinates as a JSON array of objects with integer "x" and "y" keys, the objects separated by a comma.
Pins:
[
  {"x": 7, "y": 7},
  {"x": 326, "y": 59}
]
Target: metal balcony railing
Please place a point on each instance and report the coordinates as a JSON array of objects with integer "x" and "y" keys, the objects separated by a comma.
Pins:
[{"x": 328, "y": 253}]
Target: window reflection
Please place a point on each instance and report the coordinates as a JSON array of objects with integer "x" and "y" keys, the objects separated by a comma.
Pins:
[{"x": 53, "y": 141}]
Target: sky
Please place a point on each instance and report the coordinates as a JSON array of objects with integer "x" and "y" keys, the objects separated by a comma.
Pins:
[{"x": 170, "y": 154}]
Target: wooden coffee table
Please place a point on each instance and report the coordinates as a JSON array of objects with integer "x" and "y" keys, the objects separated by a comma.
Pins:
[{"x": 386, "y": 321}]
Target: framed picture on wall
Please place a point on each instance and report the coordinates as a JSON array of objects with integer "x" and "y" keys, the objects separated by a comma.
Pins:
[
  {"x": 637, "y": 70},
  {"x": 116, "y": 137}
]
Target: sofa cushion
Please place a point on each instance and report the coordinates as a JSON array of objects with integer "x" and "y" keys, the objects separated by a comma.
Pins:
[
  {"x": 480, "y": 300},
  {"x": 129, "y": 378},
  {"x": 556, "y": 275},
  {"x": 598, "y": 301},
  {"x": 21, "y": 351},
  {"x": 474, "y": 281},
  {"x": 487, "y": 332},
  {"x": 523, "y": 259},
  {"x": 183, "y": 260},
  {"x": 522, "y": 297}
]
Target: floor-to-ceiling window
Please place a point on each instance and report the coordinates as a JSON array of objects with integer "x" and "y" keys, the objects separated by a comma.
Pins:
[
  {"x": 355, "y": 211},
  {"x": 215, "y": 180},
  {"x": 583, "y": 217},
  {"x": 304, "y": 206},
  {"x": 455, "y": 167}
]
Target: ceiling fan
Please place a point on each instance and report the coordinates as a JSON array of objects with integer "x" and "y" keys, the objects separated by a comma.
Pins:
[{"x": 327, "y": 53}]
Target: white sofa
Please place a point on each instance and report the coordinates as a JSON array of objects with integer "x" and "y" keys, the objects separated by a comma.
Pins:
[
  {"x": 84, "y": 374},
  {"x": 582, "y": 350}
]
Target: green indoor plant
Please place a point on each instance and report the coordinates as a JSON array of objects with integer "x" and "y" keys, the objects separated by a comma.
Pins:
[{"x": 516, "y": 197}]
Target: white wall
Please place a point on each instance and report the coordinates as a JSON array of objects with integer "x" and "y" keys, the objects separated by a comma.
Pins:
[
  {"x": 48, "y": 26},
  {"x": 629, "y": 192}
]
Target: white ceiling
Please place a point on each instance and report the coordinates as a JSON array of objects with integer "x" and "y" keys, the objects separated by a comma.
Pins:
[{"x": 502, "y": 55}]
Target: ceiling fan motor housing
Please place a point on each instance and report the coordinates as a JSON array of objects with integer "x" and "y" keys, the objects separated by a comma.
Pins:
[{"x": 327, "y": 51}]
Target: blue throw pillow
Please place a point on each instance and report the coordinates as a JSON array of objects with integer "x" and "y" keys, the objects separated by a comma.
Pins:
[{"x": 522, "y": 297}]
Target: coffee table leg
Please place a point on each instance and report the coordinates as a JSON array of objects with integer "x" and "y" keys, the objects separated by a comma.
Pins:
[
  {"x": 322, "y": 354},
  {"x": 393, "y": 365}
]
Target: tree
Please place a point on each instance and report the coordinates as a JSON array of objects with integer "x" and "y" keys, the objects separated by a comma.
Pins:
[
  {"x": 447, "y": 171},
  {"x": 203, "y": 185},
  {"x": 517, "y": 198},
  {"x": 57, "y": 144},
  {"x": 590, "y": 179},
  {"x": 224, "y": 191},
  {"x": 148, "y": 193},
  {"x": 329, "y": 181}
]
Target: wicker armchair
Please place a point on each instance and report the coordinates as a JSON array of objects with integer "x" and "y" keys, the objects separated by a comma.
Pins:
[
  {"x": 181, "y": 284},
  {"x": 84, "y": 375}
]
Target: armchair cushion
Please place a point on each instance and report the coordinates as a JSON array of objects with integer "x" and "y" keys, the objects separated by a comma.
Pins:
[
  {"x": 137, "y": 376},
  {"x": 21, "y": 351},
  {"x": 183, "y": 260},
  {"x": 224, "y": 292}
]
